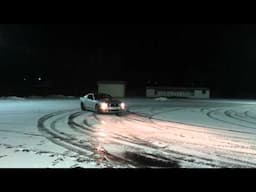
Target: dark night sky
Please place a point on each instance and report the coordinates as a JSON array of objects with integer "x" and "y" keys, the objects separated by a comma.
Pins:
[{"x": 221, "y": 57}]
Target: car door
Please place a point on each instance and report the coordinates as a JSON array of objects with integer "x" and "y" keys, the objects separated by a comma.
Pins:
[
  {"x": 86, "y": 102},
  {"x": 93, "y": 102},
  {"x": 89, "y": 101}
]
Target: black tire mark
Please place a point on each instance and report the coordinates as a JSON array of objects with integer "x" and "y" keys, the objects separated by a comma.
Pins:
[
  {"x": 115, "y": 138},
  {"x": 198, "y": 131},
  {"x": 210, "y": 115},
  {"x": 61, "y": 133},
  {"x": 114, "y": 159},
  {"x": 143, "y": 144},
  {"x": 208, "y": 159},
  {"x": 245, "y": 117},
  {"x": 191, "y": 124},
  {"x": 150, "y": 116},
  {"x": 76, "y": 126},
  {"x": 235, "y": 137},
  {"x": 73, "y": 146},
  {"x": 57, "y": 139},
  {"x": 21, "y": 132},
  {"x": 228, "y": 113},
  {"x": 247, "y": 114},
  {"x": 84, "y": 128},
  {"x": 225, "y": 157}
]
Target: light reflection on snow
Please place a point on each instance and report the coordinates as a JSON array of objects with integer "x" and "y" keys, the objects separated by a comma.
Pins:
[
  {"x": 226, "y": 140},
  {"x": 188, "y": 139}
]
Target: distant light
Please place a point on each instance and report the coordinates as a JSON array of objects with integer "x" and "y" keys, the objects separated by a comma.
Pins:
[
  {"x": 24, "y": 79},
  {"x": 39, "y": 78}
]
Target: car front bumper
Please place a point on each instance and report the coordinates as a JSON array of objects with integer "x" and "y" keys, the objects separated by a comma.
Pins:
[{"x": 112, "y": 110}]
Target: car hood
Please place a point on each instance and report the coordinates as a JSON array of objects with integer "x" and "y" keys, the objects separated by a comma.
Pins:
[{"x": 112, "y": 101}]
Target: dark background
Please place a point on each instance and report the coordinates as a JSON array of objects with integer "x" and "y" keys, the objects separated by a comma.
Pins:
[{"x": 71, "y": 58}]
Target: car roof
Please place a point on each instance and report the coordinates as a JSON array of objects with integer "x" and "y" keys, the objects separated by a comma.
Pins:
[
  {"x": 98, "y": 94},
  {"x": 89, "y": 94}
]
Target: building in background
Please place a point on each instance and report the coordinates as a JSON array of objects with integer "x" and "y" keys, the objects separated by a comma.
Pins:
[
  {"x": 113, "y": 88},
  {"x": 180, "y": 92}
]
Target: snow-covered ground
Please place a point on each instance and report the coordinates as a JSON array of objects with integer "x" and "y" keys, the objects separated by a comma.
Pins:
[
  {"x": 53, "y": 132},
  {"x": 23, "y": 146}
]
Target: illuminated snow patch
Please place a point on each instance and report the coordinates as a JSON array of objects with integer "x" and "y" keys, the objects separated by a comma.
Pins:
[{"x": 161, "y": 99}]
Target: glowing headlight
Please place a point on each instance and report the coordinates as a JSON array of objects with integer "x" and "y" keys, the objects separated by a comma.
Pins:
[
  {"x": 122, "y": 105},
  {"x": 103, "y": 106}
]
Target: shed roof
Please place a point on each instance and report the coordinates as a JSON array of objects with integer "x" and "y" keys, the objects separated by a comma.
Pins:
[{"x": 176, "y": 88}]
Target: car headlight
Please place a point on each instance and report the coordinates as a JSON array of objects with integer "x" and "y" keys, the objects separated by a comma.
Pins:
[
  {"x": 103, "y": 106},
  {"x": 122, "y": 105}
]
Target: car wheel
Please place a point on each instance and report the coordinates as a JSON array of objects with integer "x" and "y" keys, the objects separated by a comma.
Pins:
[
  {"x": 82, "y": 107},
  {"x": 120, "y": 114}
]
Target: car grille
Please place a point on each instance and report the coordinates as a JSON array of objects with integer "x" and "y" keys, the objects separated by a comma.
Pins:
[{"x": 114, "y": 105}]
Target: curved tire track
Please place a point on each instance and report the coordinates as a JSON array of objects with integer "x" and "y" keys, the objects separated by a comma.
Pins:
[{"x": 67, "y": 128}]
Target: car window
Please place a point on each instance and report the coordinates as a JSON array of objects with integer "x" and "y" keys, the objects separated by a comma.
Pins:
[
  {"x": 102, "y": 96},
  {"x": 90, "y": 97}
]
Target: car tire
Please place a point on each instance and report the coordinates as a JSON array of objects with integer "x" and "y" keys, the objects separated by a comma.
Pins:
[
  {"x": 82, "y": 106},
  {"x": 120, "y": 114}
]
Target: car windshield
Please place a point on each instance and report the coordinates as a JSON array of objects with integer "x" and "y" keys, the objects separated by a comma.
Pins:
[{"x": 102, "y": 96}]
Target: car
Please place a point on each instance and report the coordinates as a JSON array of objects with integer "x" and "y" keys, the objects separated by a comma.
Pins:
[{"x": 101, "y": 103}]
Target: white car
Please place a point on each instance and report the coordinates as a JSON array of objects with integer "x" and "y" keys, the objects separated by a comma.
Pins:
[{"x": 101, "y": 103}]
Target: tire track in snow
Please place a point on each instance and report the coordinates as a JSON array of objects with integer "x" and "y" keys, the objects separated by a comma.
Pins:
[
  {"x": 134, "y": 155},
  {"x": 71, "y": 143},
  {"x": 228, "y": 156},
  {"x": 223, "y": 130},
  {"x": 66, "y": 140},
  {"x": 182, "y": 156},
  {"x": 219, "y": 114},
  {"x": 58, "y": 138}
]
